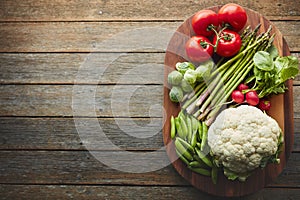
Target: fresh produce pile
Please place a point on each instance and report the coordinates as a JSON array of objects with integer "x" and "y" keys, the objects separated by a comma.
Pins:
[{"x": 229, "y": 66}]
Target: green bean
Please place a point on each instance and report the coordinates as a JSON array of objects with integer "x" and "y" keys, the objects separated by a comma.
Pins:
[
  {"x": 182, "y": 150},
  {"x": 200, "y": 131},
  {"x": 198, "y": 159},
  {"x": 173, "y": 128},
  {"x": 178, "y": 128},
  {"x": 184, "y": 127},
  {"x": 189, "y": 128},
  {"x": 195, "y": 130},
  {"x": 204, "y": 136},
  {"x": 201, "y": 171},
  {"x": 194, "y": 122},
  {"x": 197, "y": 163},
  {"x": 214, "y": 174},
  {"x": 186, "y": 145},
  {"x": 194, "y": 139},
  {"x": 177, "y": 124},
  {"x": 203, "y": 157},
  {"x": 182, "y": 157},
  {"x": 181, "y": 115}
]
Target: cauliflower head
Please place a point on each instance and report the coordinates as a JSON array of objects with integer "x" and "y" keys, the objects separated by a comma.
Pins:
[{"x": 242, "y": 139}]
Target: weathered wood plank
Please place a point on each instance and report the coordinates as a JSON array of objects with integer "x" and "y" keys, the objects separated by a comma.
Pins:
[
  {"x": 84, "y": 36},
  {"x": 296, "y": 135},
  {"x": 87, "y": 100},
  {"x": 92, "y": 10},
  {"x": 89, "y": 36},
  {"x": 61, "y": 134},
  {"x": 64, "y": 192},
  {"x": 80, "y": 167},
  {"x": 296, "y": 94},
  {"x": 57, "y": 68},
  {"x": 297, "y": 79},
  {"x": 127, "y": 68},
  {"x": 76, "y": 167},
  {"x": 109, "y": 101},
  {"x": 46, "y": 34}
]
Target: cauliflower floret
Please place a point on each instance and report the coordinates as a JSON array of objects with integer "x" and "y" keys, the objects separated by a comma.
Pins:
[{"x": 241, "y": 137}]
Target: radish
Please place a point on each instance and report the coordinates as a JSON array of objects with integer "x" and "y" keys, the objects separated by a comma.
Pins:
[
  {"x": 264, "y": 105},
  {"x": 242, "y": 87},
  {"x": 252, "y": 98},
  {"x": 237, "y": 96}
]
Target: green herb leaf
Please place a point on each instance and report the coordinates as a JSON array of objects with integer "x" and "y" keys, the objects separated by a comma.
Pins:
[
  {"x": 263, "y": 61},
  {"x": 259, "y": 75},
  {"x": 287, "y": 67},
  {"x": 273, "y": 51},
  {"x": 270, "y": 75}
]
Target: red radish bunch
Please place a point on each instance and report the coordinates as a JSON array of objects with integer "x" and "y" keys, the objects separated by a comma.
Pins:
[{"x": 243, "y": 95}]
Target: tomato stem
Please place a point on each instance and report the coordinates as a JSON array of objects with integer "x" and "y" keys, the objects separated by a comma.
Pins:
[
  {"x": 219, "y": 37},
  {"x": 204, "y": 44}
]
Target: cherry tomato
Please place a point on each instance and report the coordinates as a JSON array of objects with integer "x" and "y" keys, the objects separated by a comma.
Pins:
[
  {"x": 229, "y": 43},
  {"x": 237, "y": 96},
  {"x": 242, "y": 87},
  {"x": 252, "y": 98},
  {"x": 198, "y": 49},
  {"x": 264, "y": 105},
  {"x": 233, "y": 15},
  {"x": 202, "y": 22}
]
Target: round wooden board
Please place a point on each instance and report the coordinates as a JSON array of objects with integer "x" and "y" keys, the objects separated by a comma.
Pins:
[{"x": 282, "y": 111}]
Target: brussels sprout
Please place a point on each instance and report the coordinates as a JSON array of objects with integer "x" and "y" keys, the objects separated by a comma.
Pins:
[
  {"x": 174, "y": 78},
  {"x": 190, "y": 76},
  {"x": 176, "y": 94},
  {"x": 203, "y": 71},
  {"x": 182, "y": 67},
  {"x": 185, "y": 86}
]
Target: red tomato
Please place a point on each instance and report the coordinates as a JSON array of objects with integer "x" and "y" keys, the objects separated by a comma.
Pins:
[
  {"x": 252, "y": 98},
  {"x": 233, "y": 15},
  {"x": 202, "y": 22},
  {"x": 237, "y": 96},
  {"x": 229, "y": 44},
  {"x": 264, "y": 105},
  {"x": 198, "y": 49}
]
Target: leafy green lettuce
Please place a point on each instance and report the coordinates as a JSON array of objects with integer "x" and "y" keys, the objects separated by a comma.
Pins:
[{"x": 272, "y": 71}]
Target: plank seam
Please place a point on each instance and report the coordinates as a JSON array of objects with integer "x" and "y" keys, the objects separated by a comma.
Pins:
[
  {"x": 146, "y": 20},
  {"x": 128, "y": 185}
]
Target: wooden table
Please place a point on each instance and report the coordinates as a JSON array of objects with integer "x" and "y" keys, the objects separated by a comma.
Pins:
[{"x": 44, "y": 44}]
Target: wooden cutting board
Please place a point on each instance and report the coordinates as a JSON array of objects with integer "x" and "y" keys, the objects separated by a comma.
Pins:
[{"x": 282, "y": 111}]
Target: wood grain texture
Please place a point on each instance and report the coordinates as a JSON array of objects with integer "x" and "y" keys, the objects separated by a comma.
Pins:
[
  {"x": 88, "y": 36},
  {"x": 297, "y": 79},
  {"x": 80, "y": 167},
  {"x": 56, "y": 100},
  {"x": 64, "y": 192},
  {"x": 93, "y": 10},
  {"x": 42, "y": 46},
  {"x": 88, "y": 100},
  {"x": 127, "y": 68},
  {"x": 61, "y": 134},
  {"x": 62, "y": 68}
]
